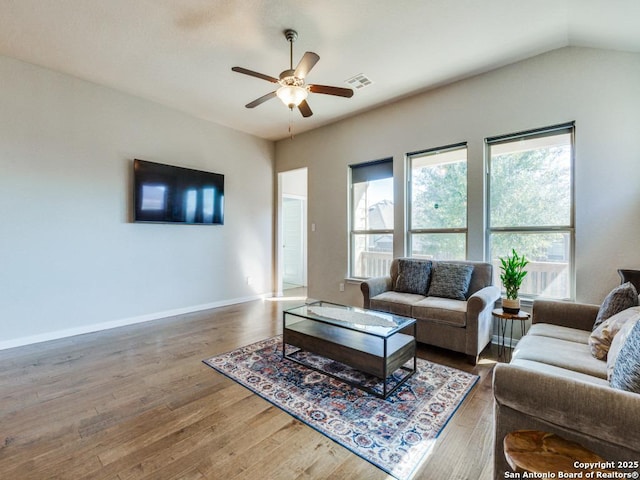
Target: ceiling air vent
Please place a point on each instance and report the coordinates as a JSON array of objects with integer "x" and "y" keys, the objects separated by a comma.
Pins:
[{"x": 359, "y": 81}]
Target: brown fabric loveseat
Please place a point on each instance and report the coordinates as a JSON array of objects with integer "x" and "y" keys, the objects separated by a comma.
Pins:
[
  {"x": 462, "y": 324},
  {"x": 554, "y": 384}
]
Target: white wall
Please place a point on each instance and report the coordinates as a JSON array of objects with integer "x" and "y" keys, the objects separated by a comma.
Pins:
[
  {"x": 71, "y": 260},
  {"x": 294, "y": 182},
  {"x": 598, "y": 89}
]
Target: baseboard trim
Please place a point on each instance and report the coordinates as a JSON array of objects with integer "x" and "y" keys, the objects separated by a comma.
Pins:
[
  {"x": 97, "y": 327},
  {"x": 496, "y": 340}
]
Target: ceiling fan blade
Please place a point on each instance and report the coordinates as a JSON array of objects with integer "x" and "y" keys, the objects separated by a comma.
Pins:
[
  {"x": 327, "y": 90},
  {"x": 304, "y": 108},
  {"x": 260, "y": 100},
  {"x": 255, "y": 74},
  {"x": 308, "y": 60}
]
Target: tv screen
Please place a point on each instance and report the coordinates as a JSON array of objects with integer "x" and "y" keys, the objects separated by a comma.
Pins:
[{"x": 168, "y": 194}]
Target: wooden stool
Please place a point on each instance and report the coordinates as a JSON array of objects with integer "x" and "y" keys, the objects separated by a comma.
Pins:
[{"x": 532, "y": 451}]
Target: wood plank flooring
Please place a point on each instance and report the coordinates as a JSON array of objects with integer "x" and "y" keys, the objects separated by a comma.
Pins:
[{"x": 137, "y": 403}]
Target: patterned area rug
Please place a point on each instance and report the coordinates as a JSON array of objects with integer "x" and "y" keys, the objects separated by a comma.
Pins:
[{"x": 393, "y": 434}]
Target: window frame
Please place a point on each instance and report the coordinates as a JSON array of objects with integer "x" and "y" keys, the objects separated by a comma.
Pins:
[
  {"x": 353, "y": 232},
  {"x": 564, "y": 128},
  {"x": 409, "y": 198}
]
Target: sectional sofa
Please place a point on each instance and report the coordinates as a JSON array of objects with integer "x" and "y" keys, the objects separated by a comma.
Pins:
[{"x": 555, "y": 384}]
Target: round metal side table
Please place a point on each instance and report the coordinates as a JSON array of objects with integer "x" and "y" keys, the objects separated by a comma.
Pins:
[{"x": 504, "y": 318}]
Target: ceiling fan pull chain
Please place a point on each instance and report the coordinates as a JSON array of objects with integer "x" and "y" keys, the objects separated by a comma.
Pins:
[{"x": 291, "y": 123}]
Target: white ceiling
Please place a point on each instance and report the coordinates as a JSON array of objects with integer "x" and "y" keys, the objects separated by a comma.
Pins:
[{"x": 180, "y": 52}]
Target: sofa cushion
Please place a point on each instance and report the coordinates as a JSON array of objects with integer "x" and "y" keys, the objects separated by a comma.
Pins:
[
  {"x": 626, "y": 371},
  {"x": 620, "y": 298},
  {"x": 617, "y": 344},
  {"x": 413, "y": 276},
  {"x": 601, "y": 338},
  {"x": 450, "y": 280},
  {"x": 560, "y": 353},
  {"x": 481, "y": 277},
  {"x": 442, "y": 310},
  {"x": 559, "y": 332},
  {"x": 395, "y": 302}
]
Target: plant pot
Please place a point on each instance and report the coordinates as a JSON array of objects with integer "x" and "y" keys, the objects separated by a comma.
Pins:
[{"x": 511, "y": 305}]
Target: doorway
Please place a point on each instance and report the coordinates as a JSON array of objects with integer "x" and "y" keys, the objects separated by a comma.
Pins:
[{"x": 292, "y": 231}]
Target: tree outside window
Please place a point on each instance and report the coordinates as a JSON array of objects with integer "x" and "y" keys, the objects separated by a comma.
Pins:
[
  {"x": 438, "y": 203},
  {"x": 530, "y": 207}
]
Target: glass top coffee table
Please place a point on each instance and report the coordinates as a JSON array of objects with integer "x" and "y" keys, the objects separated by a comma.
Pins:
[{"x": 376, "y": 349}]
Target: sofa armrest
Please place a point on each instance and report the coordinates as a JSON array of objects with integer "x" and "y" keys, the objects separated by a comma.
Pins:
[
  {"x": 481, "y": 300},
  {"x": 480, "y": 320},
  {"x": 565, "y": 314},
  {"x": 374, "y": 286},
  {"x": 598, "y": 411}
]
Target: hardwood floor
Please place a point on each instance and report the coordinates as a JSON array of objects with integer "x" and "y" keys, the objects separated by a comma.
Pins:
[{"x": 138, "y": 403}]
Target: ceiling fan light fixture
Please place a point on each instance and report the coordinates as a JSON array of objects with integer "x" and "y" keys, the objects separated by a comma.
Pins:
[
  {"x": 293, "y": 90},
  {"x": 292, "y": 95}
]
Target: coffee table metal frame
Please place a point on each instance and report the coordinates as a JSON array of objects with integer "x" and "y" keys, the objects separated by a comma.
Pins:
[{"x": 376, "y": 350}]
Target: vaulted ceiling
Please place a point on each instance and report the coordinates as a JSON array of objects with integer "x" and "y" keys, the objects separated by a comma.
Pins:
[{"x": 180, "y": 52}]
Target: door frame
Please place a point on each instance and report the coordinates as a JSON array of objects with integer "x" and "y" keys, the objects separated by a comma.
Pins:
[{"x": 279, "y": 231}]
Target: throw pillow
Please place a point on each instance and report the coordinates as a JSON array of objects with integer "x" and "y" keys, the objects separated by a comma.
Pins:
[
  {"x": 601, "y": 338},
  {"x": 620, "y": 298},
  {"x": 450, "y": 280},
  {"x": 413, "y": 276},
  {"x": 618, "y": 341},
  {"x": 626, "y": 371}
]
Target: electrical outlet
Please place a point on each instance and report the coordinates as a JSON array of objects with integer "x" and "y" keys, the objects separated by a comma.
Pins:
[
  {"x": 342, "y": 287},
  {"x": 249, "y": 280}
]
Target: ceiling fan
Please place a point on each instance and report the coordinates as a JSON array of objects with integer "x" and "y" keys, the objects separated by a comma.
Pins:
[{"x": 293, "y": 90}]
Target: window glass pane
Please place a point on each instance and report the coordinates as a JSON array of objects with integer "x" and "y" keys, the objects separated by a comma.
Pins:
[
  {"x": 372, "y": 254},
  {"x": 439, "y": 190},
  {"x": 373, "y": 205},
  {"x": 549, "y": 256},
  {"x": 531, "y": 182},
  {"x": 439, "y": 246},
  {"x": 371, "y": 210}
]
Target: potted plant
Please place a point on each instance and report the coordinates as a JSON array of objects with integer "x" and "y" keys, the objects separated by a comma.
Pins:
[{"x": 512, "y": 274}]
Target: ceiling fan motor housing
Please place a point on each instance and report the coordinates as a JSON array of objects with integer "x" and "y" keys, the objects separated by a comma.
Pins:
[
  {"x": 288, "y": 78},
  {"x": 291, "y": 35}
]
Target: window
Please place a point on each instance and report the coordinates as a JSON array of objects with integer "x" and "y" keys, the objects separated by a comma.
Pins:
[
  {"x": 371, "y": 245},
  {"x": 437, "y": 209},
  {"x": 530, "y": 207}
]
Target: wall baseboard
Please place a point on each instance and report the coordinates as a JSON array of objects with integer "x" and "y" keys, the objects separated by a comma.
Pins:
[
  {"x": 97, "y": 327},
  {"x": 495, "y": 340}
]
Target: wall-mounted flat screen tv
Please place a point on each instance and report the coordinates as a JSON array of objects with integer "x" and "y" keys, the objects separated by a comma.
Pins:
[{"x": 169, "y": 194}]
